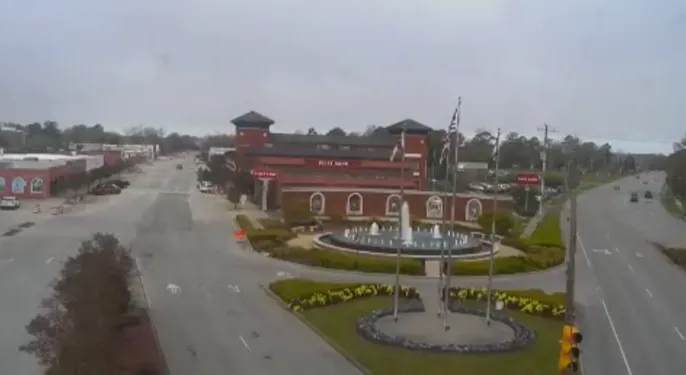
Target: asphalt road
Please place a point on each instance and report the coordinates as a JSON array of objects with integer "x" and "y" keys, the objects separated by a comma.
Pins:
[
  {"x": 632, "y": 301},
  {"x": 203, "y": 288}
]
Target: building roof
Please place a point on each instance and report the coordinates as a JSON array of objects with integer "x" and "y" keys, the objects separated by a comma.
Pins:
[
  {"x": 295, "y": 152},
  {"x": 379, "y": 140},
  {"x": 220, "y": 150},
  {"x": 410, "y": 126},
  {"x": 253, "y": 119},
  {"x": 37, "y": 157}
]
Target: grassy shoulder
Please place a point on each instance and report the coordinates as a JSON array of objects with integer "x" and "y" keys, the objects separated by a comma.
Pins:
[
  {"x": 275, "y": 237},
  {"x": 336, "y": 321},
  {"x": 676, "y": 255},
  {"x": 672, "y": 204}
]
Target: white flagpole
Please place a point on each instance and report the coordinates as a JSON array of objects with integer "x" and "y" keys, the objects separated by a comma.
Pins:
[
  {"x": 491, "y": 256},
  {"x": 396, "y": 289},
  {"x": 449, "y": 270}
]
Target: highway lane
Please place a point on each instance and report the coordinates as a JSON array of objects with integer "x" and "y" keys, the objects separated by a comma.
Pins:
[
  {"x": 219, "y": 320},
  {"x": 637, "y": 290}
]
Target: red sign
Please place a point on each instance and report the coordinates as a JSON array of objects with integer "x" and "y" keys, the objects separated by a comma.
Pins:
[
  {"x": 529, "y": 179},
  {"x": 318, "y": 163},
  {"x": 263, "y": 174}
]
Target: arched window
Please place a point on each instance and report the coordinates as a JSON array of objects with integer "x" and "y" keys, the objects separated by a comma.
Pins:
[
  {"x": 434, "y": 208},
  {"x": 355, "y": 204},
  {"x": 473, "y": 210},
  {"x": 393, "y": 205},
  {"x": 317, "y": 203}
]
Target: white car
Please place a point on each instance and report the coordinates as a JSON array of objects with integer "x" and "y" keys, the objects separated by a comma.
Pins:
[{"x": 9, "y": 203}]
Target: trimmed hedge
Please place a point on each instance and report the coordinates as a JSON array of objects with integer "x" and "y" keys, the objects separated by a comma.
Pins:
[
  {"x": 244, "y": 222},
  {"x": 274, "y": 242},
  {"x": 300, "y": 294}
]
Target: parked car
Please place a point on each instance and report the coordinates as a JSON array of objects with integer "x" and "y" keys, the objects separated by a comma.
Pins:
[
  {"x": 648, "y": 194},
  {"x": 122, "y": 184},
  {"x": 179, "y": 166},
  {"x": 106, "y": 190},
  {"x": 616, "y": 187},
  {"x": 634, "y": 198},
  {"x": 10, "y": 203}
]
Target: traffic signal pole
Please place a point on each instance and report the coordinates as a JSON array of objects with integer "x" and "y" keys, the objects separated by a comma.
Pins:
[{"x": 570, "y": 315}]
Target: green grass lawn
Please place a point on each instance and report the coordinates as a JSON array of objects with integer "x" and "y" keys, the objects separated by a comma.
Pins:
[
  {"x": 337, "y": 322},
  {"x": 669, "y": 202}
]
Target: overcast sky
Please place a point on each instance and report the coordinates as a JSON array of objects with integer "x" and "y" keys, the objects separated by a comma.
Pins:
[{"x": 603, "y": 69}]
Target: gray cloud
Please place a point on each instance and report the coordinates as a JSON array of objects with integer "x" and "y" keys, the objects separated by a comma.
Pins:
[{"x": 611, "y": 69}]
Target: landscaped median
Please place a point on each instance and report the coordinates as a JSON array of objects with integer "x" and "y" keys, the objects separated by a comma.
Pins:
[
  {"x": 276, "y": 240},
  {"x": 335, "y": 310}
]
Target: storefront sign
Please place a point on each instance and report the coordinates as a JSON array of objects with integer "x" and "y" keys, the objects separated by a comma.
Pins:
[
  {"x": 528, "y": 179},
  {"x": 319, "y": 163},
  {"x": 257, "y": 173}
]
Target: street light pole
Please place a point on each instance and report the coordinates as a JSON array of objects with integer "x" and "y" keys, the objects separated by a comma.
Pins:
[{"x": 491, "y": 258}]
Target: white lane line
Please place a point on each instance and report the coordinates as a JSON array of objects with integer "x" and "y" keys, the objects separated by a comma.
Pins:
[
  {"x": 616, "y": 249},
  {"x": 649, "y": 293},
  {"x": 639, "y": 255},
  {"x": 49, "y": 260},
  {"x": 614, "y": 332},
  {"x": 681, "y": 335},
  {"x": 631, "y": 268},
  {"x": 583, "y": 251},
  {"x": 245, "y": 343}
]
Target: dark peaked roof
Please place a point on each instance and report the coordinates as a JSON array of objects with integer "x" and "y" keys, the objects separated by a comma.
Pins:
[
  {"x": 349, "y": 140},
  {"x": 411, "y": 127},
  {"x": 254, "y": 119}
]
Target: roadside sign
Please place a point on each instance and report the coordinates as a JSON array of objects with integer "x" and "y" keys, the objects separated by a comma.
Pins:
[{"x": 528, "y": 179}]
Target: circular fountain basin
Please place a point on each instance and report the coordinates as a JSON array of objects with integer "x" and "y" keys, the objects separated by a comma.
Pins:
[{"x": 424, "y": 245}]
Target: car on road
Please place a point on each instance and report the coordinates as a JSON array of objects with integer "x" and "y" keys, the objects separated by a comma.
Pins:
[
  {"x": 122, "y": 184},
  {"x": 106, "y": 190},
  {"x": 10, "y": 203},
  {"x": 634, "y": 197},
  {"x": 616, "y": 187},
  {"x": 179, "y": 166},
  {"x": 648, "y": 195}
]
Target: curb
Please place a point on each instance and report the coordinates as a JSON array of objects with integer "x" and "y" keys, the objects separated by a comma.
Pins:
[{"x": 316, "y": 330}]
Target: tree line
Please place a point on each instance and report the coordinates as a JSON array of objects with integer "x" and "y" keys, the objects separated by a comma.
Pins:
[
  {"x": 675, "y": 166},
  {"x": 49, "y": 137},
  {"x": 90, "y": 304},
  {"x": 518, "y": 152}
]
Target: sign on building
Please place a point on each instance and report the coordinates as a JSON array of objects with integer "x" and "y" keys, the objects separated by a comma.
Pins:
[
  {"x": 528, "y": 179},
  {"x": 327, "y": 163},
  {"x": 259, "y": 173}
]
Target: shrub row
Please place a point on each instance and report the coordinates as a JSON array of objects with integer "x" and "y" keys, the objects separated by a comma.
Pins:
[
  {"x": 274, "y": 242},
  {"x": 306, "y": 294},
  {"x": 244, "y": 222}
]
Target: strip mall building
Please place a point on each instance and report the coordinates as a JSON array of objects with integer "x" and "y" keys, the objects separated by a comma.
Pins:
[{"x": 348, "y": 176}]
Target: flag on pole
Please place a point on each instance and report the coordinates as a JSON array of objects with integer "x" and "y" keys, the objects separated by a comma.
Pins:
[
  {"x": 452, "y": 129},
  {"x": 399, "y": 149}
]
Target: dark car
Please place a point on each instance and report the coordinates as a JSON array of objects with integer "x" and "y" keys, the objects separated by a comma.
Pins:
[
  {"x": 106, "y": 190},
  {"x": 122, "y": 184},
  {"x": 179, "y": 166},
  {"x": 648, "y": 195},
  {"x": 616, "y": 187},
  {"x": 634, "y": 197}
]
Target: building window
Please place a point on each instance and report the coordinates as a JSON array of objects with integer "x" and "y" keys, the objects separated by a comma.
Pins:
[
  {"x": 473, "y": 210},
  {"x": 268, "y": 145},
  {"x": 323, "y": 147},
  {"x": 2, "y": 185},
  {"x": 355, "y": 203},
  {"x": 434, "y": 208},
  {"x": 344, "y": 148},
  {"x": 317, "y": 203},
  {"x": 37, "y": 185},
  {"x": 393, "y": 205}
]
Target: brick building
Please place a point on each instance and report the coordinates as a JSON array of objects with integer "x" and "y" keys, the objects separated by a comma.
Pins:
[
  {"x": 34, "y": 176},
  {"x": 345, "y": 175}
]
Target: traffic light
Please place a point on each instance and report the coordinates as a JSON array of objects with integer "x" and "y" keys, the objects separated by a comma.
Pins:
[{"x": 569, "y": 351}]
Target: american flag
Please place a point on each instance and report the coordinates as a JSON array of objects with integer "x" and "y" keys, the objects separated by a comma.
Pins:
[
  {"x": 452, "y": 130},
  {"x": 399, "y": 149}
]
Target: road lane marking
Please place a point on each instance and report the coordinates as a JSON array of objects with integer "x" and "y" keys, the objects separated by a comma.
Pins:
[
  {"x": 649, "y": 293},
  {"x": 583, "y": 251},
  {"x": 617, "y": 250},
  {"x": 681, "y": 335},
  {"x": 639, "y": 255},
  {"x": 604, "y": 251},
  {"x": 49, "y": 260},
  {"x": 245, "y": 343},
  {"x": 235, "y": 288},
  {"x": 631, "y": 268},
  {"x": 614, "y": 332},
  {"x": 173, "y": 288}
]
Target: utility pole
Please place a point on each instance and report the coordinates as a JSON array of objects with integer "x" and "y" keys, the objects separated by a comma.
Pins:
[
  {"x": 544, "y": 163},
  {"x": 570, "y": 315}
]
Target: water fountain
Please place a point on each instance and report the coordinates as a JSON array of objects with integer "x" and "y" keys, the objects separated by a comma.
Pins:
[
  {"x": 437, "y": 232},
  {"x": 374, "y": 229}
]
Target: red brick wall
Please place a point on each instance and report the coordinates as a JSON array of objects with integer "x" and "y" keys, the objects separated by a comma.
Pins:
[
  {"x": 28, "y": 175},
  {"x": 374, "y": 202},
  {"x": 250, "y": 137}
]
